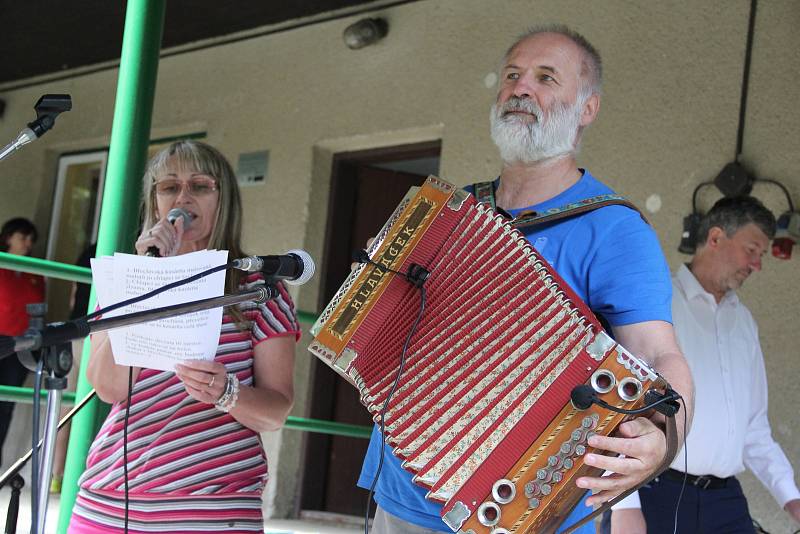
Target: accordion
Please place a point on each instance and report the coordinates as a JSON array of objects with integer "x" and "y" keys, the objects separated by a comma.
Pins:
[{"x": 481, "y": 412}]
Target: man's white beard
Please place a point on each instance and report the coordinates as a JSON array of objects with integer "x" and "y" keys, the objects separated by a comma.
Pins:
[{"x": 524, "y": 140}]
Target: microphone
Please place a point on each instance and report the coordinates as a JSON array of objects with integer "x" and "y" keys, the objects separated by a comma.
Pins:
[
  {"x": 295, "y": 267},
  {"x": 173, "y": 215},
  {"x": 47, "y": 109},
  {"x": 582, "y": 396}
]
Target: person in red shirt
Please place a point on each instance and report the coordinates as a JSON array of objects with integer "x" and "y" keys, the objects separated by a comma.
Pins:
[{"x": 17, "y": 290}]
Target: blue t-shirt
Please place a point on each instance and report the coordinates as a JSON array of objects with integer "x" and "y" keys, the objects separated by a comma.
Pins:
[{"x": 612, "y": 260}]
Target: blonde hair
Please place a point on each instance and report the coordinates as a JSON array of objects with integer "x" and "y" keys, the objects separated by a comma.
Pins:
[{"x": 200, "y": 157}]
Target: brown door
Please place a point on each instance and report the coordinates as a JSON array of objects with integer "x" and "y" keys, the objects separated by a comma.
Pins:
[{"x": 366, "y": 188}]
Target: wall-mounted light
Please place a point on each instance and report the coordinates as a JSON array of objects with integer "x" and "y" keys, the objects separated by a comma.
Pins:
[
  {"x": 689, "y": 235},
  {"x": 734, "y": 181},
  {"x": 365, "y": 32},
  {"x": 786, "y": 235}
]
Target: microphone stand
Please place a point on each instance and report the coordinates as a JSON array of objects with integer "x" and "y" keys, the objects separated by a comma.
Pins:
[{"x": 57, "y": 337}]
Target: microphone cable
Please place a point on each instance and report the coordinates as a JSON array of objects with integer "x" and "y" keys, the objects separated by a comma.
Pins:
[
  {"x": 155, "y": 292},
  {"x": 116, "y": 306},
  {"x": 583, "y": 396},
  {"x": 125, "y": 444},
  {"x": 416, "y": 276},
  {"x": 35, "y": 489},
  {"x": 685, "y": 466},
  {"x": 93, "y": 315},
  {"x": 158, "y": 291}
]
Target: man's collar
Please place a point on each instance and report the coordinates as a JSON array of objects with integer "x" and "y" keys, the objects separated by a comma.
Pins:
[
  {"x": 556, "y": 200},
  {"x": 692, "y": 288}
]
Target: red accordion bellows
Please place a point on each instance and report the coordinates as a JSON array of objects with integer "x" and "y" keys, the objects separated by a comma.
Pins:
[{"x": 500, "y": 335}]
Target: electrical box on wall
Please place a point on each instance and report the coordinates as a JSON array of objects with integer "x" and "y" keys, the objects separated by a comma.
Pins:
[{"x": 252, "y": 168}]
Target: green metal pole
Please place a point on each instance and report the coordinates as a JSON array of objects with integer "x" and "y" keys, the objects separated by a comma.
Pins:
[{"x": 130, "y": 133}]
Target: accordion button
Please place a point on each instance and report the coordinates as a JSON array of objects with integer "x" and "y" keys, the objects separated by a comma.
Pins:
[
  {"x": 553, "y": 461},
  {"x": 568, "y": 463},
  {"x": 589, "y": 422},
  {"x": 576, "y": 435},
  {"x": 531, "y": 489},
  {"x": 566, "y": 447},
  {"x": 543, "y": 474},
  {"x": 546, "y": 489},
  {"x": 557, "y": 476},
  {"x": 580, "y": 450},
  {"x": 533, "y": 503}
]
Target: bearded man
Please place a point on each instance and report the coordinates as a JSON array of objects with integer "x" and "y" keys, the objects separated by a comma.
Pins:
[{"x": 549, "y": 93}]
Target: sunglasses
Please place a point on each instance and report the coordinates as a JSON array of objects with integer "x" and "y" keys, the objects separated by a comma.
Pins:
[{"x": 197, "y": 186}]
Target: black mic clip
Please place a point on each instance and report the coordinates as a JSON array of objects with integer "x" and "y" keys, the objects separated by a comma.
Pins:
[
  {"x": 665, "y": 403},
  {"x": 417, "y": 275},
  {"x": 361, "y": 256},
  {"x": 47, "y": 109}
]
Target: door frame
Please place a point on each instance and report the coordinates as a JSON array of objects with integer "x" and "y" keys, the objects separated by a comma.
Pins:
[
  {"x": 64, "y": 162},
  {"x": 317, "y": 448}
]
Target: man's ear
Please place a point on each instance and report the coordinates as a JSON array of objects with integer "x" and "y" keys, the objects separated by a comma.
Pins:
[
  {"x": 590, "y": 109},
  {"x": 715, "y": 234}
]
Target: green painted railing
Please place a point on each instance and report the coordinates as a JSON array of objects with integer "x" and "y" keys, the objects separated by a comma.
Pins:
[
  {"x": 25, "y": 396},
  {"x": 65, "y": 271},
  {"x": 53, "y": 269}
]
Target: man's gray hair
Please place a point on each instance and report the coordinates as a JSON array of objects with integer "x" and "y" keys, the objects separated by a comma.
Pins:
[
  {"x": 591, "y": 66},
  {"x": 731, "y": 213}
]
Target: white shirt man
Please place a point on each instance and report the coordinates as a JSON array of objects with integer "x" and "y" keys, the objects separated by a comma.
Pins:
[{"x": 730, "y": 430}]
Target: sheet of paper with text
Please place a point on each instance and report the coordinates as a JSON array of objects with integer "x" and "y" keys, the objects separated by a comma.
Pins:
[{"x": 163, "y": 343}]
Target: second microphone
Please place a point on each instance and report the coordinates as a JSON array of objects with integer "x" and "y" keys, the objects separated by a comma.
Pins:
[{"x": 296, "y": 267}]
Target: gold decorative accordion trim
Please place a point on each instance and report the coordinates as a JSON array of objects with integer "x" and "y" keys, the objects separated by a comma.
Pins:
[
  {"x": 360, "y": 299},
  {"x": 325, "y": 316}
]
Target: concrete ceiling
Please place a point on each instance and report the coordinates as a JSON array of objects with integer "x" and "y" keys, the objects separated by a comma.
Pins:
[{"x": 40, "y": 37}]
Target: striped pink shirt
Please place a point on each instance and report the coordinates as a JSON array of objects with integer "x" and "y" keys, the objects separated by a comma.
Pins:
[{"x": 191, "y": 467}]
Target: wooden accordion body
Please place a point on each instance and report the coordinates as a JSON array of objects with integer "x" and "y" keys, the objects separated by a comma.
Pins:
[{"x": 481, "y": 415}]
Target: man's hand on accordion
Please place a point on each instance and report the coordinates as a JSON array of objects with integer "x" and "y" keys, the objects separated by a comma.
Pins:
[
  {"x": 642, "y": 442},
  {"x": 643, "y": 445}
]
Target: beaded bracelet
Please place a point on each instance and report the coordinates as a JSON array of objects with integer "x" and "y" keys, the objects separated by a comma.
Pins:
[{"x": 230, "y": 395}]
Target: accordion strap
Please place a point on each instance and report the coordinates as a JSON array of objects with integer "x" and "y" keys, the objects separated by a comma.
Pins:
[
  {"x": 671, "y": 433},
  {"x": 484, "y": 193}
]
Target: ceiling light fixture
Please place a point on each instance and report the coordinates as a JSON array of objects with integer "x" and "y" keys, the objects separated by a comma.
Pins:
[{"x": 365, "y": 32}]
